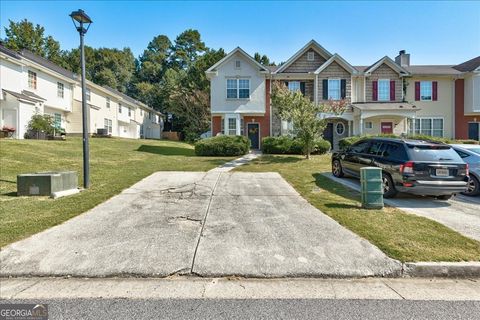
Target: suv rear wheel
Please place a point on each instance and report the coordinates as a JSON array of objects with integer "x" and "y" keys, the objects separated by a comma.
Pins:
[
  {"x": 473, "y": 187},
  {"x": 337, "y": 169},
  {"x": 389, "y": 190}
]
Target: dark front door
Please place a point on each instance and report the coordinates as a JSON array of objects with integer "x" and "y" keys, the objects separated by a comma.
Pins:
[
  {"x": 387, "y": 127},
  {"x": 328, "y": 133},
  {"x": 473, "y": 130},
  {"x": 254, "y": 135}
]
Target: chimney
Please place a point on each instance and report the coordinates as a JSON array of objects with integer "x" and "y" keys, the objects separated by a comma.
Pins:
[{"x": 403, "y": 58}]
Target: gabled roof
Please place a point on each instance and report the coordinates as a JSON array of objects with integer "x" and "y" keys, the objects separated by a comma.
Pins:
[
  {"x": 342, "y": 62},
  {"x": 25, "y": 95},
  {"x": 47, "y": 64},
  {"x": 392, "y": 64},
  {"x": 239, "y": 50},
  {"x": 432, "y": 70},
  {"x": 311, "y": 44},
  {"x": 470, "y": 65}
]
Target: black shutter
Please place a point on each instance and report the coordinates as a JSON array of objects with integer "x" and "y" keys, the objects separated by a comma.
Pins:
[
  {"x": 343, "y": 88},
  {"x": 302, "y": 87},
  {"x": 325, "y": 89},
  {"x": 286, "y": 84}
]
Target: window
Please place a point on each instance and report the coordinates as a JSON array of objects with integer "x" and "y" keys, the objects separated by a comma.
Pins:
[
  {"x": 368, "y": 125},
  {"x": 149, "y": 115},
  {"x": 384, "y": 90},
  {"x": 141, "y": 112},
  {"x": 237, "y": 64},
  {"x": 395, "y": 151},
  {"x": 232, "y": 89},
  {"x": 108, "y": 125},
  {"x": 340, "y": 128},
  {"x": 222, "y": 126},
  {"x": 294, "y": 85},
  {"x": 375, "y": 148},
  {"x": 60, "y": 90},
  {"x": 107, "y": 102},
  {"x": 129, "y": 112},
  {"x": 360, "y": 147},
  {"x": 32, "y": 80},
  {"x": 427, "y": 126},
  {"x": 426, "y": 90},
  {"x": 119, "y": 108},
  {"x": 311, "y": 56},
  {"x": 238, "y": 88},
  {"x": 88, "y": 94},
  {"x": 232, "y": 126},
  {"x": 57, "y": 120},
  {"x": 334, "y": 89}
]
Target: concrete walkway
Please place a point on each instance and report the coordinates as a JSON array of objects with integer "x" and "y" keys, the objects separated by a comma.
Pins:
[
  {"x": 208, "y": 224},
  {"x": 460, "y": 213}
]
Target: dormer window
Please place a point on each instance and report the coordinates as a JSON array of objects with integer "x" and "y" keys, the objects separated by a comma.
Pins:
[
  {"x": 310, "y": 56},
  {"x": 237, "y": 64}
]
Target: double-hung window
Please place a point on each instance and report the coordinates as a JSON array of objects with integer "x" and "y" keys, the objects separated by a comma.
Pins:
[
  {"x": 294, "y": 85},
  {"x": 129, "y": 112},
  {"x": 426, "y": 90},
  {"x": 427, "y": 126},
  {"x": 60, "y": 90},
  {"x": 108, "y": 125},
  {"x": 232, "y": 126},
  {"x": 238, "y": 88},
  {"x": 334, "y": 89},
  {"x": 107, "y": 102},
  {"x": 119, "y": 108},
  {"x": 32, "y": 80},
  {"x": 384, "y": 90},
  {"x": 88, "y": 93}
]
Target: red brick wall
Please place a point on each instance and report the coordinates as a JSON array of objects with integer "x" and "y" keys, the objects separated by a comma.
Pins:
[
  {"x": 216, "y": 125},
  {"x": 461, "y": 127}
]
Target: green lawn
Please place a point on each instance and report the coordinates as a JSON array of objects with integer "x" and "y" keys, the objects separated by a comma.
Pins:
[
  {"x": 402, "y": 236},
  {"x": 115, "y": 164}
]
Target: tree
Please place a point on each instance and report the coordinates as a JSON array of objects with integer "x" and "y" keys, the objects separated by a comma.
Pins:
[
  {"x": 25, "y": 35},
  {"x": 304, "y": 114},
  {"x": 188, "y": 46},
  {"x": 263, "y": 59}
]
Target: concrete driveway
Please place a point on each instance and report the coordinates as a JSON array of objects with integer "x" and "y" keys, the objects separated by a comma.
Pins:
[
  {"x": 209, "y": 224},
  {"x": 460, "y": 213}
]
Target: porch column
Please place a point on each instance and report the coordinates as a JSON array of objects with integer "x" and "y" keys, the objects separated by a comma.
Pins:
[
  {"x": 360, "y": 129},
  {"x": 350, "y": 128},
  {"x": 237, "y": 127},
  {"x": 225, "y": 124}
]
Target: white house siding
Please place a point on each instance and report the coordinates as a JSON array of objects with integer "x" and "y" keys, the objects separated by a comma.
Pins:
[{"x": 219, "y": 101}]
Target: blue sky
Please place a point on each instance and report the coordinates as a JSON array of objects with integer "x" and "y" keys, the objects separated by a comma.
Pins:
[{"x": 362, "y": 32}]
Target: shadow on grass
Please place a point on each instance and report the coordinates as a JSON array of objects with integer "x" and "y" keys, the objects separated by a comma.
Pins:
[
  {"x": 9, "y": 194},
  {"x": 334, "y": 187},
  {"x": 8, "y": 181},
  {"x": 167, "y": 151},
  {"x": 341, "y": 206},
  {"x": 274, "y": 159}
]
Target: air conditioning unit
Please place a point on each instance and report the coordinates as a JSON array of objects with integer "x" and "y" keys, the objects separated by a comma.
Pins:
[{"x": 102, "y": 132}]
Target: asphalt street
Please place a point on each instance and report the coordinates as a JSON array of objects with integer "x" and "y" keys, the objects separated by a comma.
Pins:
[{"x": 95, "y": 309}]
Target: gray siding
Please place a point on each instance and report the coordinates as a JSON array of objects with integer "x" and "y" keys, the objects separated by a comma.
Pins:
[
  {"x": 383, "y": 72},
  {"x": 302, "y": 65},
  {"x": 335, "y": 71}
]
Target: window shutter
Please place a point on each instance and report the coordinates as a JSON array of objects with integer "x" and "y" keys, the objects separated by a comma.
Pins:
[
  {"x": 302, "y": 87},
  {"x": 325, "y": 89},
  {"x": 343, "y": 88},
  {"x": 392, "y": 90},
  {"x": 417, "y": 90},
  {"x": 375, "y": 90},
  {"x": 286, "y": 84},
  {"x": 434, "y": 90}
]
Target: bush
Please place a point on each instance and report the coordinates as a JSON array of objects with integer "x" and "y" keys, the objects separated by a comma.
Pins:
[
  {"x": 344, "y": 143},
  {"x": 222, "y": 146},
  {"x": 429, "y": 138},
  {"x": 41, "y": 123},
  {"x": 469, "y": 141},
  {"x": 289, "y": 145}
]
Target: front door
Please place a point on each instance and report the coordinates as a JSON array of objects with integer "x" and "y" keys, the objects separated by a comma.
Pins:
[
  {"x": 328, "y": 133},
  {"x": 387, "y": 127},
  {"x": 254, "y": 135},
  {"x": 473, "y": 130}
]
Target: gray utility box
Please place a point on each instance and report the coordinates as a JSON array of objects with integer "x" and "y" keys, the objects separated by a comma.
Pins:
[{"x": 46, "y": 183}]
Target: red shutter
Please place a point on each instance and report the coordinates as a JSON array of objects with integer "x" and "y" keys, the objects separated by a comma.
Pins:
[
  {"x": 392, "y": 90},
  {"x": 374, "y": 90},
  {"x": 434, "y": 91},
  {"x": 417, "y": 90}
]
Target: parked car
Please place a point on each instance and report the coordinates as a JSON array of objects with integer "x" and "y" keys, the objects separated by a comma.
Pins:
[
  {"x": 470, "y": 153},
  {"x": 411, "y": 166}
]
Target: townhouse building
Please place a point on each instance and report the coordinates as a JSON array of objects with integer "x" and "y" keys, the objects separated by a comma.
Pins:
[
  {"x": 388, "y": 96},
  {"x": 32, "y": 85}
]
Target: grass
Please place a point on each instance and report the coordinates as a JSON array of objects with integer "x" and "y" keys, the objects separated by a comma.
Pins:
[
  {"x": 115, "y": 164},
  {"x": 400, "y": 235}
]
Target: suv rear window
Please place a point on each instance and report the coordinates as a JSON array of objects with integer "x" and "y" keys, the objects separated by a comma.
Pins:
[
  {"x": 433, "y": 153},
  {"x": 395, "y": 151}
]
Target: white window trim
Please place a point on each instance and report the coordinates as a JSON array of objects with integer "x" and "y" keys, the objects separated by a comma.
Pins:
[
  {"x": 107, "y": 102},
  {"x": 238, "y": 88},
  {"x": 378, "y": 90},
  {"x": 431, "y": 91},
  {"x": 34, "y": 77},
  {"x": 368, "y": 127},
  {"x": 62, "y": 91},
  {"x": 339, "y": 87},
  {"x": 235, "y": 129},
  {"x": 413, "y": 131},
  {"x": 239, "y": 64},
  {"x": 336, "y": 128},
  {"x": 313, "y": 56},
  {"x": 295, "y": 81}
]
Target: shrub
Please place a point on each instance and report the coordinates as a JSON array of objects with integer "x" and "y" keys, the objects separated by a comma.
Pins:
[
  {"x": 41, "y": 123},
  {"x": 222, "y": 146},
  {"x": 348, "y": 141},
  {"x": 469, "y": 141},
  {"x": 289, "y": 145},
  {"x": 429, "y": 138}
]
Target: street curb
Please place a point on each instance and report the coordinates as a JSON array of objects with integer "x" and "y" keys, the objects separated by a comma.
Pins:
[{"x": 441, "y": 269}]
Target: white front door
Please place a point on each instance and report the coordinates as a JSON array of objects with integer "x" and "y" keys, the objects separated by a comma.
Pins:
[{"x": 10, "y": 119}]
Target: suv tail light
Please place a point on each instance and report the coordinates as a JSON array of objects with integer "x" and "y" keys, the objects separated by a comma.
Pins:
[{"x": 407, "y": 167}]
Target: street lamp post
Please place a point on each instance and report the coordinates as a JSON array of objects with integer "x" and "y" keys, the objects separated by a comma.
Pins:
[{"x": 82, "y": 22}]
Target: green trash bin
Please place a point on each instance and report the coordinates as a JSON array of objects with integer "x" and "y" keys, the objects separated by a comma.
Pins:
[{"x": 372, "y": 187}]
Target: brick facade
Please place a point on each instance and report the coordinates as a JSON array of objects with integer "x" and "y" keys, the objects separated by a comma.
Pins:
[{"x": 384, "y": 72}]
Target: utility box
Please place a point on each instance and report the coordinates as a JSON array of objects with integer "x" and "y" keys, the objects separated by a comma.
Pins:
[
  {"x": 46, "y": 183},
  {"x": 371, "y": 187}
]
